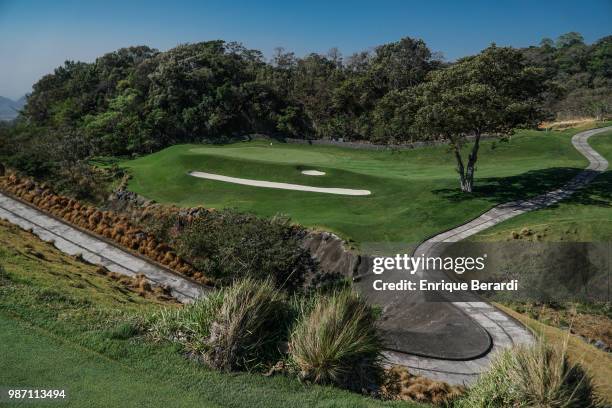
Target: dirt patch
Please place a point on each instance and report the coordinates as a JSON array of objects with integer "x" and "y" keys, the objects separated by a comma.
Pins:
[{"x": 569, "y": 123}]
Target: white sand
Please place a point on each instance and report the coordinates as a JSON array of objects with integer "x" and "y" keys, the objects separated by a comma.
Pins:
[
  {"x": 313, "y": 173},
  {"x": 282, "y": 186}
]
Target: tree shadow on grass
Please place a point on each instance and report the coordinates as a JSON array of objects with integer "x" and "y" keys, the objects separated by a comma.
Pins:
[
  {"x": 535, "y": 182},
  {"x": 598, "y": 192}
]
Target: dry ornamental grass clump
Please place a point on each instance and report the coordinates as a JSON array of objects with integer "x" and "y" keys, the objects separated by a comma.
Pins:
[
  {"x": 140, "y": 284},
  {"x": 104, "y": 223},
  {"x": 240, "y": 327},
  {"x": 400, "y": 384}
]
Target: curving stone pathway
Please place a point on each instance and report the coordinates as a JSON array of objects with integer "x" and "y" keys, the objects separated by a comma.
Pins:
[
  {"x": 94, "y": 250},
  {"x": 503, "y": 330}
]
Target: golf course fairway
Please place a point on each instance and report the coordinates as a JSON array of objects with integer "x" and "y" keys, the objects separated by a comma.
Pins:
[{"x": 414, "y": 193}]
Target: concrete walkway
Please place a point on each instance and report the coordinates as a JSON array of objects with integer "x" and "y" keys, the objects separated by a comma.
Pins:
[
  {"x": 502, "y": 329},
  {"x": 94, "y": 250},
  {"x": 281, "y": 186}
]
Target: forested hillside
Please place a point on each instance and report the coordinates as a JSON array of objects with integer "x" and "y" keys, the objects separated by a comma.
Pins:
[
  {"x": 579, "y": 75},
  {"x": 138, "y": 100}
]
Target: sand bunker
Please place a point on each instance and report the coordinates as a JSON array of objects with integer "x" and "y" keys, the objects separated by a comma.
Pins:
[
  {"x": 282, "y": 186},
  {"x": 313, "y": 173}
]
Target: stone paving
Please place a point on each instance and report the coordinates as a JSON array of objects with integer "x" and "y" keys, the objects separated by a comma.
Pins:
[
  {"x": 503, "y": 330},
  {"x": 94, "y": 250}
]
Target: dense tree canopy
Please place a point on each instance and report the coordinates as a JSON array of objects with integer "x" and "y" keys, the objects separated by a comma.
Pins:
[
  {"x": 578, "y": 75},
  {"x": 137, "y": 100}
]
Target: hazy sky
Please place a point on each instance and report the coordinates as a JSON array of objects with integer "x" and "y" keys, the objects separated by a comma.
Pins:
[{"x": 37, "y": 36}]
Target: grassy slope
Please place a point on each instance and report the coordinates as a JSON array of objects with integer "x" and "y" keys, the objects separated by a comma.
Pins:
[
  {"x": 414, "y": 192},
  {"x": 62, "y": 325},
  {"x": 584, "y": 217},
  {"x": 598, "y": 363}
]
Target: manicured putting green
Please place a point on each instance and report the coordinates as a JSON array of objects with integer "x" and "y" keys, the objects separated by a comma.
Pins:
[{"x": 414, "y": 193}]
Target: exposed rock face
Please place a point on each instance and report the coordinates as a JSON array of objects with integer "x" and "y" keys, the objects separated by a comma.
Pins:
[
  {"x": 122, "y": 200},
  {"x": 329, "y": 251}
]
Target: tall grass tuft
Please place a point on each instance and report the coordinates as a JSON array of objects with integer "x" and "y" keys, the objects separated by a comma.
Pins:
[
  {"x": 532, "y": 376},
  {"x": 336, "y": 341},
  {"x": 189, "y": 325},
  {"x": 248, "y": 327}
]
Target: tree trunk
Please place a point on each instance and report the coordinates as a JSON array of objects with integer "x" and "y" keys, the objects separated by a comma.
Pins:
[
  {"x": 466, "y": 174},
  {"x": 471, "y": 166},
  {"x": 460, "y": 168}
]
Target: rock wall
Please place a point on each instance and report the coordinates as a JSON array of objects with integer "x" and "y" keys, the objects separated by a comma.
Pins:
[{"x": 333, "y": 257}]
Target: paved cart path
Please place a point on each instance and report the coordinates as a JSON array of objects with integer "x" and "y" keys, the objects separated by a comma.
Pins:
[
  {"x": 94, "y": 250},
  {"x": 442, "y": 351}
]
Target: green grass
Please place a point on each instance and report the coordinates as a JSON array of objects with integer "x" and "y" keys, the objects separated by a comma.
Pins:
[
  {"x": 415, "y": 193},
  {"x": 64, "y": 326},
  {"x": 537, "y": 375},
  {"x": 597, "y": 362},
  {"x": 586, "y": 216}
]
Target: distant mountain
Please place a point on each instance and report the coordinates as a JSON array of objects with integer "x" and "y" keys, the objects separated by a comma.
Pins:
[{"x": 9, "y": 109}]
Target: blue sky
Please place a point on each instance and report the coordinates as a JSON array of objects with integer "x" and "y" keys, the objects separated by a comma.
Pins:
[{"x": 36, "y": 36}]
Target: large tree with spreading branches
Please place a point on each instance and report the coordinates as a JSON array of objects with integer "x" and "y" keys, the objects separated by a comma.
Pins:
[{"x": 491, "y": 93}]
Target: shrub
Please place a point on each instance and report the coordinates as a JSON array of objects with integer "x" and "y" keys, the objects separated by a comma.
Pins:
[
  {"x": 228, "y": 245},
  {"x": 248, "y": 327},
  {"x": 532, "y": 376},
  {"x": 83, "y": 182},
  {"x": 32, "y": 163},
  {"x": 189, "y": 325},
  {"x": 337, "y": 341}
]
